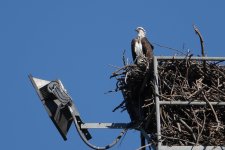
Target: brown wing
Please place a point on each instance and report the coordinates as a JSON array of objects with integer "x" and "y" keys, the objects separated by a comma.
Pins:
[
  {"x": 147, "y": 47},
  {"x": 133, "y": 48}
]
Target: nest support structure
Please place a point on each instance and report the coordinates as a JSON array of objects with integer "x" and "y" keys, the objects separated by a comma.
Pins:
[{"x": 179, "y": 101}]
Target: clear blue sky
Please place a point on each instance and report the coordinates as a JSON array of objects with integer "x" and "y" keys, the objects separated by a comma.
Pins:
[{"x": 76, "y": 41}]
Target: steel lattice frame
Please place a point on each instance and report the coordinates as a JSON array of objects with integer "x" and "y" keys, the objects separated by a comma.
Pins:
[{"x": 158, "y": 103}]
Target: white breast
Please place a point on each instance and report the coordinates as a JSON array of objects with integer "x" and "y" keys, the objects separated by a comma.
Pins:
[{"x": 138, "y": 49}]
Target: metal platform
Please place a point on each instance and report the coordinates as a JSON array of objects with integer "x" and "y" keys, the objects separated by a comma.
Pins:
[{"x": 159, "y": 103}]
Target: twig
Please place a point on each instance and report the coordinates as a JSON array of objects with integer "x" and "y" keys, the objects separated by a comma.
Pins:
[
  {"x": 217, "y": 120},
  {"x": 179, "y": 139},
  {"x": 189, "y": 128},
  {"x": 120, "y": 105},
  {"x": 203, "y": 127},
  {"x": 179, "y": 51}
]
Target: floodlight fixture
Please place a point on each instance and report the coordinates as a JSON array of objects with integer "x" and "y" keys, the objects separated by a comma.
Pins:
[{"x": 58, "y": 105}]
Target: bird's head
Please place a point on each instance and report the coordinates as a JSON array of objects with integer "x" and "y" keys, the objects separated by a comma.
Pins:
[{"x": 141, "y": 31}]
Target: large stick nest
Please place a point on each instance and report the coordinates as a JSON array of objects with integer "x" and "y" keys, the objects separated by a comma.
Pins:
[{"x": 179, "y": 80}]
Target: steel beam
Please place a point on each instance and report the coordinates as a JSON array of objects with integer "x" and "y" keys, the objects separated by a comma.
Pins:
[
  {"x": 104, "y": 125},
  {"x": 192, "y": 148},
  {"x": 189, "y": 103},
  {"x": 155, "y": 62},
  {"x": 191, "y": 58}
]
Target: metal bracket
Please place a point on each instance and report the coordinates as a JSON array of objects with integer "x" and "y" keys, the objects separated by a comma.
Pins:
[{"x": 105, "y": 125}]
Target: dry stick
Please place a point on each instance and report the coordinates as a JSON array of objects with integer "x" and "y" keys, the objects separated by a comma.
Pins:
[
  {"x": 114, "y": 66},
  {"x": 196, "y": 92},
  {"x": 203, "y": 126},
  {"x": 189, "y": 128},
  {"x": 202, "y": 43},
  {"x": 178, "y": 139},
  {"x": 221, "y": 92},
  {"x": 195, "y": 117},
  {"x": 150, "y": 102},
  {"x": 168, "y": 48},
  {"x": 124, "y": 59},
  {"x": 197, "y": 124},
  {"x": 119, "y": 106},
  {"x": 163, "y": 120},
  {"x": 221, "y": 73},
  {"x": 217, "y": 120},
  {"x": 178, "y": 126},
  {"x": 173, "y": 85},
  {"x": 147, "y": 145},
  {"x": 218, "y": 82},
  {"x": 132, "y": 65},
  {"x": 168, "y": 99}
]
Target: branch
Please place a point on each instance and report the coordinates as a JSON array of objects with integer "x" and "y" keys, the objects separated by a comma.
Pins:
[
  {"x": 201, "y": 39},
  {"x": 202, "y": 43}
]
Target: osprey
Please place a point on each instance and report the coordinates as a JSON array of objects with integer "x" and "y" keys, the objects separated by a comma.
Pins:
[{"x": 140, "y": 46}]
